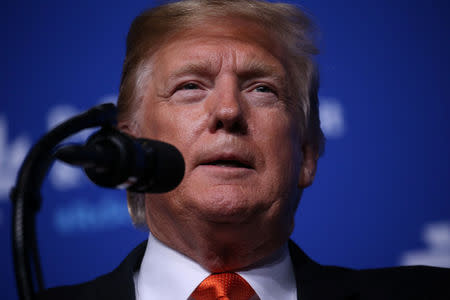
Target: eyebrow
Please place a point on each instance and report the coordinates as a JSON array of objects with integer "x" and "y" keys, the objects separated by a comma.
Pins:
[
  {"x": 250, "y": 69},
  {"x": 202, "y": 68},
  {"x": 259, "y": 69}
]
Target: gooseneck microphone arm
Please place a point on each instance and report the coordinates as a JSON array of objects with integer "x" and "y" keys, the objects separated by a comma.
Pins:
[
  {"x": 110, "y": 159},
  {"x": 26, "y": 198}
]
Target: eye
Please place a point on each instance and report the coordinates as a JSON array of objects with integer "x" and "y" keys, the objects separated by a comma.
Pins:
[
  {"x": 264, "y": 89},
  {"x": 262, "y": 94},
  {"x": 189, "y": 86},
  {"x": 188, "y": 92}
]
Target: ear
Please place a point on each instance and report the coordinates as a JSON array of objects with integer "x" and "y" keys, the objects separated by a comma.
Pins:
[
  {"x": 308, "y": 168},
  {"x": 129, "y": 128}
]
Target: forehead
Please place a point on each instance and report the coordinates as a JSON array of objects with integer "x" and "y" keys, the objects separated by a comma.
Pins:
[{"x": 212, "y": 39}]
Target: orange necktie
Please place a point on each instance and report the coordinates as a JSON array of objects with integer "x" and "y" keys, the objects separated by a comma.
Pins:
[{"x": 223, "y": 286}]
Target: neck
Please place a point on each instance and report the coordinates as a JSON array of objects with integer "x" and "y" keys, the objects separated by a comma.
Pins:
[{"x": 220, "y": 247}]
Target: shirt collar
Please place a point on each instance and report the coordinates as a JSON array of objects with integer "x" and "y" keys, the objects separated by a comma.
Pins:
[
  {"x": 273, "y": 277},
  {"x": 168, "y": 274}
]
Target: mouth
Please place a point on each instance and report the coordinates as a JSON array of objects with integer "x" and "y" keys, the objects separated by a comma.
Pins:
[
  {"x": 228, "y": 163},
  {"x": 228, "y": 160}
]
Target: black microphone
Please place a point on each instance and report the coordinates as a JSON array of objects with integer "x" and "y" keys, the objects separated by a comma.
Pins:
[{"x": 113, "y": 159}]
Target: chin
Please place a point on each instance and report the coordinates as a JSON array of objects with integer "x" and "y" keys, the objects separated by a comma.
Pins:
[{"x": 227, "y": 204}]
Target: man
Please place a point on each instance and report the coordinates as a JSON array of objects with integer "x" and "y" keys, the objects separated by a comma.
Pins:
[{"x": 233, "y": 86}]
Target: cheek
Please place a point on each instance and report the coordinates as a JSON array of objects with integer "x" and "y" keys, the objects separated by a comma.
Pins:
[
  {"x": 278, "y": 133},
  {"x": 176, "y": 125},
  {"x": 280, "y": 141},
  {"x": 159, "y": 122}
]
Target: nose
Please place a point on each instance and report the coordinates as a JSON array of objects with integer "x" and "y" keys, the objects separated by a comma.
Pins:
[{"x": 227, "y": 111}]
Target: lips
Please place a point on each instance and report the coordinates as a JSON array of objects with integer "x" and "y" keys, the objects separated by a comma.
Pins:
[
  {"x": 227, "y": 160},
  {"x": 228, "y": 163}
]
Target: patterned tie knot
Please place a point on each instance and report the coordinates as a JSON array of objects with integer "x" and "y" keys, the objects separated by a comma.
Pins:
[{"x": 223, "y": 286}]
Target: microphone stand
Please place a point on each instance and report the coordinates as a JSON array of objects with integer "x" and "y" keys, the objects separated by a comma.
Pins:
[{"x": 26, "y": 197}]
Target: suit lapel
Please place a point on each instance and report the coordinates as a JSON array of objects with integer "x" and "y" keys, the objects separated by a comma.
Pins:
[
  {"x": 119, "y": 284},
  {"x": 316, "y": 282}
]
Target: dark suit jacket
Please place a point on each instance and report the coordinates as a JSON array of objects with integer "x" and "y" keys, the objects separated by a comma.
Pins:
[{"x": 314, "y": 281}]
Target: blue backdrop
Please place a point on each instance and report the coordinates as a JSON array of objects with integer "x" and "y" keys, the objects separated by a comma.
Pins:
[{"x": 381, "y": 195}]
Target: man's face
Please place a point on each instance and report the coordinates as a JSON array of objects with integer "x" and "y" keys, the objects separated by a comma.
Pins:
[{"x": 217, "y": 93}]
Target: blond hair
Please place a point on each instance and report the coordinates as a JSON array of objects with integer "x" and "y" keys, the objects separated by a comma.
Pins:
[{"x": 153, "y": 27}]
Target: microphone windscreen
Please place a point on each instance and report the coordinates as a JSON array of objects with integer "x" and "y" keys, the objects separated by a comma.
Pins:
[{"x": 167, "y": 168}]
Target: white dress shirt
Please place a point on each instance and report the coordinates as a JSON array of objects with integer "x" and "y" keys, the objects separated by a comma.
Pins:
[{"x": 168, "y": 274}]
